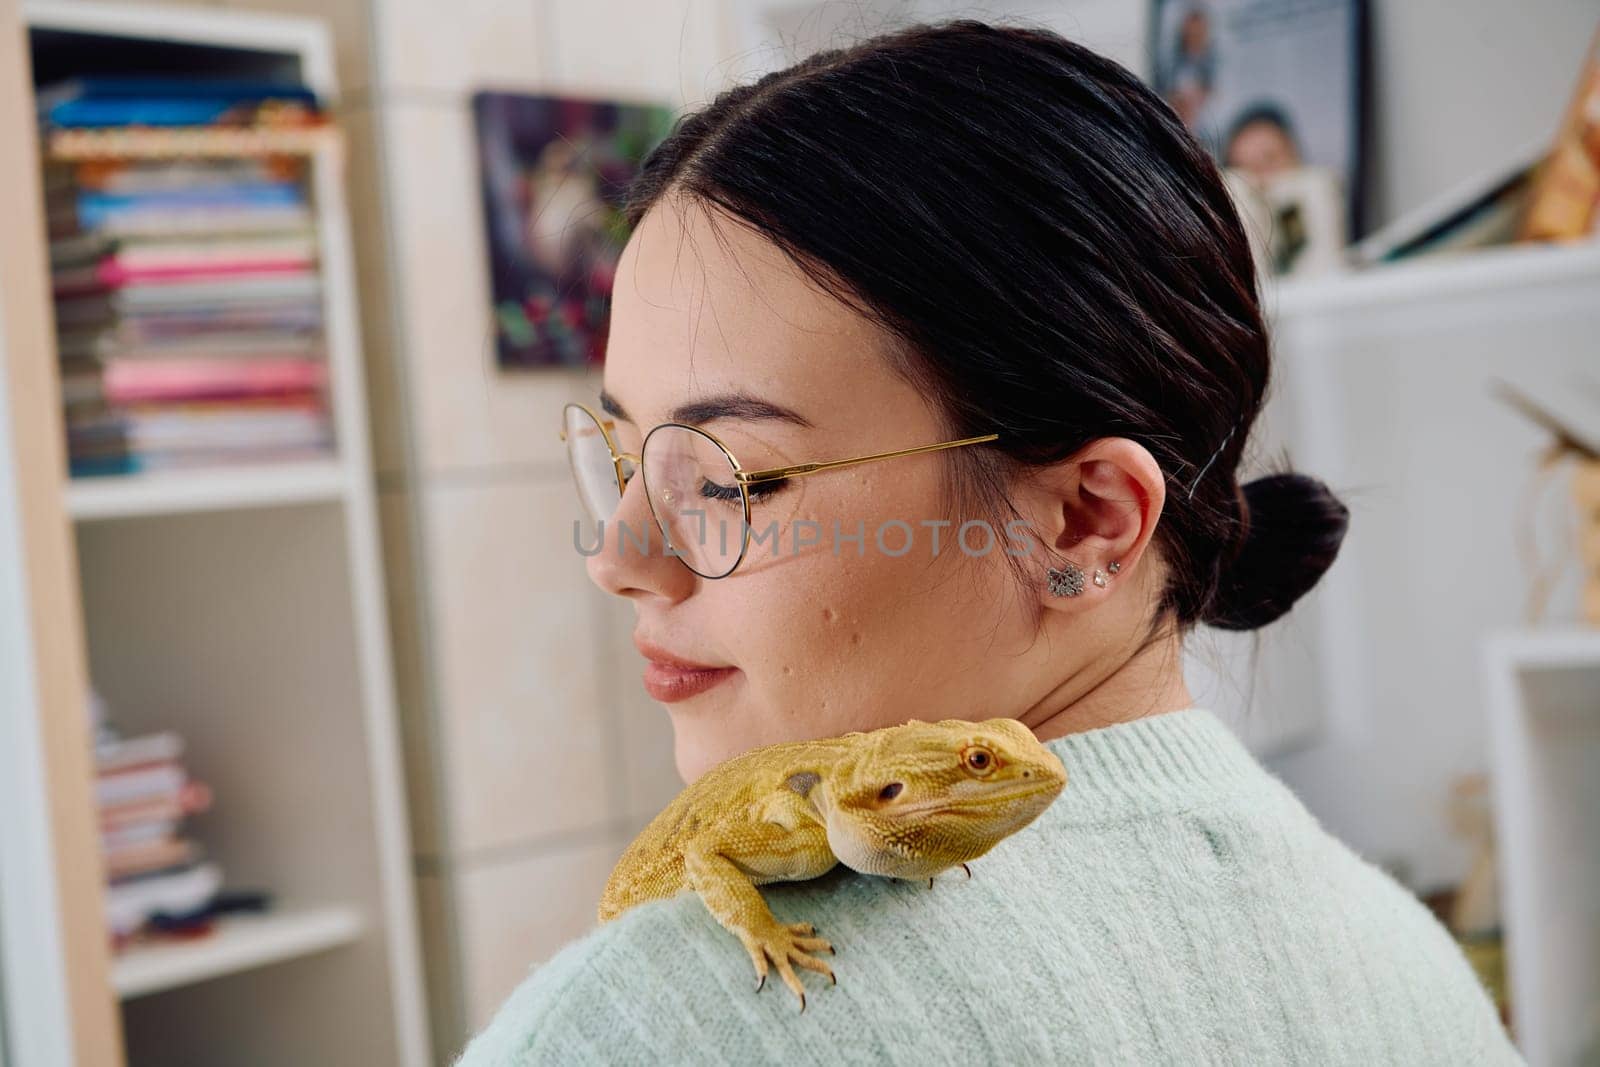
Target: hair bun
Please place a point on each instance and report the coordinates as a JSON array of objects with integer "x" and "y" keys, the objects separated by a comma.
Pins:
[{"x": 1295, "y": 527}]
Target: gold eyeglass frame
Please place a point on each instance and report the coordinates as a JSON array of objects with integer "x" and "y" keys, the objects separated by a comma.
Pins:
[{"x": 743, "y": 478}]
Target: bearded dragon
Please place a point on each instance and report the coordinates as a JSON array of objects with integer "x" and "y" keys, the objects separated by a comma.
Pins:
[{"x": 904, "y": 801}]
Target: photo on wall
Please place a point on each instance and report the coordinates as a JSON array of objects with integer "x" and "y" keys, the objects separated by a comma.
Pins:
[
  {"x": 1271, "y": 88},
  {"x": 554, "y": 170}
]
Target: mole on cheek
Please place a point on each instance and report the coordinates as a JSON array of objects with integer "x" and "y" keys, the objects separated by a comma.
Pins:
[{"x": 828, "y": 615}]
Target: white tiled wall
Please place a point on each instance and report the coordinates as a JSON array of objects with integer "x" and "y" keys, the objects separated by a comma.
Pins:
[
  {"x": 534, "y": 754},
  {"x": 466, "y": 414},
  {"x": 454, "y": 48},
  {"x": 674, "y": 50},
  {"x": 517, "y": 642}
]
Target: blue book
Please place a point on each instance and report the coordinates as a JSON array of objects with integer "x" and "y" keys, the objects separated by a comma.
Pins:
[
  {"x": 95, "y": 208},
  {"x": 97, "y": 101},
  {"x": 100, "y": 467}
]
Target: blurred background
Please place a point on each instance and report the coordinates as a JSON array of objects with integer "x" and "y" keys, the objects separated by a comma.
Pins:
[{"x": 314, "y": 736}]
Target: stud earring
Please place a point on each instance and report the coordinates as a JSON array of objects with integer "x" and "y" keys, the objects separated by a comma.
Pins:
[
  {"x": 1113, "y": 567},
  {"x": 1067, "y": 581},
  {"x": 1100, "y": 577}
]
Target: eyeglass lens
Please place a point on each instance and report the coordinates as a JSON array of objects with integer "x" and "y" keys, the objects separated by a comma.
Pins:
[
  {"x": 592, "y": 469},
  {"x": 690, "y": 484}
]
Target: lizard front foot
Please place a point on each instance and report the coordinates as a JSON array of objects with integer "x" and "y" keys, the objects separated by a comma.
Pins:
[{"x": 786, "y": 944}]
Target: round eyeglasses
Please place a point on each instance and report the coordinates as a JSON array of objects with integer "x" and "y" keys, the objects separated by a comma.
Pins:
[{"x": 698, "y": 494}]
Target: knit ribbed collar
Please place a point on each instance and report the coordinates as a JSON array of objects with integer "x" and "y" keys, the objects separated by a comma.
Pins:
[{"x": 1166, "y": 762}]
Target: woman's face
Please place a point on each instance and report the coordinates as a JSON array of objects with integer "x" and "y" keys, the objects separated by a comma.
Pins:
[
  {"x": 1263, "y": 150},
  {"x": 812, "y": 641}
]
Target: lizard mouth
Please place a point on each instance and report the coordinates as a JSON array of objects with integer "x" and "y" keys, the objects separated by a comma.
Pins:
[{"x": 972, "y": 805}]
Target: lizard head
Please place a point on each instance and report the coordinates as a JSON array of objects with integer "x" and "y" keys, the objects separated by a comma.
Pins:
[{"x": 919, "y": 798}]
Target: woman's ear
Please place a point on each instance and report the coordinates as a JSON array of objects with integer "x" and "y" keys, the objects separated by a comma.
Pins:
[{"x": 1094, "y": 511}]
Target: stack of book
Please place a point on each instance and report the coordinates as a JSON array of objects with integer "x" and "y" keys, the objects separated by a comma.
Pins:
[
  {"x": 188, "y": 295},
  {"x": 144, "y": 794}
]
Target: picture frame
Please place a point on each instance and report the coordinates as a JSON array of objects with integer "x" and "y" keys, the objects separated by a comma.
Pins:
[
  {"x": 1269, "y": 85},
  {"x": 553, "y": 174}
]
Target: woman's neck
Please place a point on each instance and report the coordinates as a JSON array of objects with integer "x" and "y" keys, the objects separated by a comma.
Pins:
[{"x": 1112, "y": 689}]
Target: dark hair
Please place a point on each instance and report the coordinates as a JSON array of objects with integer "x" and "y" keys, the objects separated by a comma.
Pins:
[{"x": 1057, "y": 259}]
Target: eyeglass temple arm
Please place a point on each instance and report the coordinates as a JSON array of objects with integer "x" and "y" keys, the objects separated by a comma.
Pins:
[
  {"x": 802, "y": 469},
  {"x": 772, "y": 474}
]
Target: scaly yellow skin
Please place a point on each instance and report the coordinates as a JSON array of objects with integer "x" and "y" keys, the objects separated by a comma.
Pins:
[{"x": 904, "y": 801}]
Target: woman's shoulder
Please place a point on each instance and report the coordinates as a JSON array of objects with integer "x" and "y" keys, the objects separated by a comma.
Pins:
[
  {"x": 650, "y": 985},
  {"x": 664, "y": 983},
  {"x": 563, "y": 1008},
  {"x": 1229, "y": 930}
]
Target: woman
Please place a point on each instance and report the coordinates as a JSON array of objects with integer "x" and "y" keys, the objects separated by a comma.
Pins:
[{"x": 932, "y": 237}]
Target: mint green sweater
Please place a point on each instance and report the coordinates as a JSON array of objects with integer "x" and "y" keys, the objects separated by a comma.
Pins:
[{"x": 1176, "y": 905}]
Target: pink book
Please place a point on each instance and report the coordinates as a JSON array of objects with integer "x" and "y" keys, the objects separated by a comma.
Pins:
[
  {"x": 111, "y": 274},
  {"x": 152, "y": 380},
  {"x": 156, "y": 856},
  {"x": 148, "y": 782},
  {"x": 194, "y": 797}
]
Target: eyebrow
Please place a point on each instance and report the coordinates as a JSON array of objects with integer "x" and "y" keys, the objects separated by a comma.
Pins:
[{"x": 734, "y": 405}]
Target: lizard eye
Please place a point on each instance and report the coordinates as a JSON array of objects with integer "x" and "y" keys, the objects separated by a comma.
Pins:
[
  {"x": 978, "y": 760},
  {"x": 890, "y": 791}
]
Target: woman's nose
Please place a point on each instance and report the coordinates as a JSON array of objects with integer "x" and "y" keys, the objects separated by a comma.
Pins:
[{"x": 632, "y": 557}]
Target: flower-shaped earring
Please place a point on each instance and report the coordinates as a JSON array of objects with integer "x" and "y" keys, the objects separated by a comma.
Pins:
[
  {"x": 1065, "y": 581},
  {"x": 1068, "y": 580}
]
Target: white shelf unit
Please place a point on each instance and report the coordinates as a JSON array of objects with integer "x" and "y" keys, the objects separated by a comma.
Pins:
[
  {"x": 1496, "y": 272},
  {"x": 239, "y": 944},
  {"x": 1544, "y": 725},
  {"x": 243, "y": 607},
  {"x": 1380, "y": 388},
  {"x": 219, "y": 489}
]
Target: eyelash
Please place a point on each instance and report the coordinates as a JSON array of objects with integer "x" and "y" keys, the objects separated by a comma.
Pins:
[{"x": 729, "y": 494}]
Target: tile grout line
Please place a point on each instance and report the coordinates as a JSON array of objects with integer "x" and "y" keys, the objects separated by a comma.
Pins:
[{"x": 447, "y": 865}]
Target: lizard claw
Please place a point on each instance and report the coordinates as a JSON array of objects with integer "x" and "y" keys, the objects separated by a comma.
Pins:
[
  {"x": 964, "y": 867},
  {"x": 787, "y": 946}
]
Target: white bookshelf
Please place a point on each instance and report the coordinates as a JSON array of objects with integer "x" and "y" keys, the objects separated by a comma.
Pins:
[
  {"x": 243, "y": 607},
  {"x": 216, "y": 489},
  {"x": 1383, "y": 387},
  {"x": 1497, "y": 274},
  {"x": 238, "y": 944},
  {"x": 1543, "y": 689},
  {"x": 1380, "y": 387}
]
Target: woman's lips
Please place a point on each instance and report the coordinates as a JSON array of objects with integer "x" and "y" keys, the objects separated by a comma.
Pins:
[
  {"x": 668, "y": 677},
  {"x": 667, "y": 683}
]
